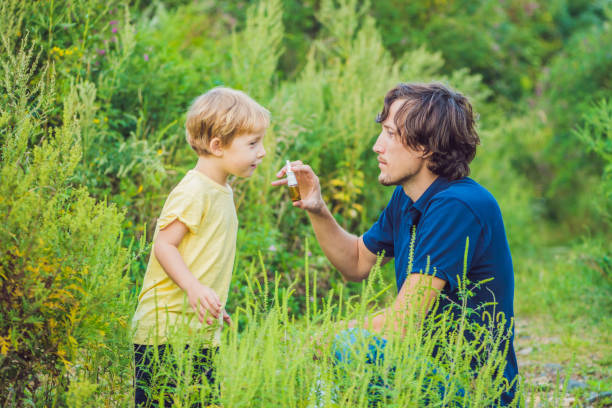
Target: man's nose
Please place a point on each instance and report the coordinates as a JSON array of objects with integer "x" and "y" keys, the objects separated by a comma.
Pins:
[{"x": 377, "y": 146}]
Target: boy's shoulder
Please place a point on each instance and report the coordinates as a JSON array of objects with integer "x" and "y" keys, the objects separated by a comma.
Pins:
[
  {"x": 195, "y": 190},
  {"x": 194, "y": 196},
  {"x": 195, "y": 182}
]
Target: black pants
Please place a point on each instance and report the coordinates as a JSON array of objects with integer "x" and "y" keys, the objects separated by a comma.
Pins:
[{"x": 148, "y": 376}]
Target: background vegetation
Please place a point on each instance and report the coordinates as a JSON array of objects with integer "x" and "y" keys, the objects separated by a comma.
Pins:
[{"x": 92, "y": 103}]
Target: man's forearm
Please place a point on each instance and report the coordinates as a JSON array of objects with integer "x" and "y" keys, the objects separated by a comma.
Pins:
[
  {"x": 412, "y": 304},
  {"x": 340, "y": 247}
]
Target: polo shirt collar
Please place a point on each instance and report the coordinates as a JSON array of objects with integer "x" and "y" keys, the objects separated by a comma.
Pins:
[{"x": 438, "y": 185}]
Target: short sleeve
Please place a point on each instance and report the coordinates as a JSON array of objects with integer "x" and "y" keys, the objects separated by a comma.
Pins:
[
  {"x": 441, "y": 240},
  {"x": 380, "y": 236},
  {"x": 189, "y": 207}
]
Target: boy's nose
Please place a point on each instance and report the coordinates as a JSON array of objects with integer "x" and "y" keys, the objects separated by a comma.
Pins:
[{"x": 262, "y": 152}]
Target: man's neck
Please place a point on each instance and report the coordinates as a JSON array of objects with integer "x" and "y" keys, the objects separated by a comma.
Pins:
[
  {"x": 211, "y": 167},
  {"x": 419, "y": 183}
]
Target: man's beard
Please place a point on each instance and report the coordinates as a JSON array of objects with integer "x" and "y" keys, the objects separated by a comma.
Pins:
[{"x": 385, "y": 181}]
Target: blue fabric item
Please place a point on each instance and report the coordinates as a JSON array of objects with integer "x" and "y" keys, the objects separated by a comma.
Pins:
[
  {"x": 445, "y": 215},
  {"x": 350, "y": 345}
]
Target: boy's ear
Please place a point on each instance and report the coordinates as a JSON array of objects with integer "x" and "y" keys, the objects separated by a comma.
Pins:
[{"x": 216, "y": 147}]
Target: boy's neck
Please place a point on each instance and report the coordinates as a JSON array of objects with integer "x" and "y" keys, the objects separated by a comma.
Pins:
[{"x": 211, "y": 167}]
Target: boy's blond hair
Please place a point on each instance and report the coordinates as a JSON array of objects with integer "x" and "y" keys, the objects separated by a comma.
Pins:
[{"x": 224, "y": 113}]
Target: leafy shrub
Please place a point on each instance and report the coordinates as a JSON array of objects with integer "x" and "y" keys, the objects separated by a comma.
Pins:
[
  {"x": 578, "y": 77},
  {"x": 596, "y": 134},
  {"x": 62, "y": 272}
]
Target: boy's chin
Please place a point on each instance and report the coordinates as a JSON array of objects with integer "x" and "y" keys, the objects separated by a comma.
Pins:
[{"x": 247, "y": 173}]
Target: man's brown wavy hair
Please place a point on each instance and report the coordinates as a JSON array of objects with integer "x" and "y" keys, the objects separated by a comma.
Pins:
[{"x": 438, "y": 119}]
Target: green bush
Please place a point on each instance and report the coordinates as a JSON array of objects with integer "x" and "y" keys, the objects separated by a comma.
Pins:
[
  {"x": 596, "y": 134},
  {"x": 63, "y": 290},
  {"x": 578, "y": 77}
]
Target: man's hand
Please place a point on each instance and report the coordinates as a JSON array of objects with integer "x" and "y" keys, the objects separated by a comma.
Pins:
[
  {"x": 308, "y": 183},
  {"x": 203, "y": 299},
  {"x": 320, "y": 344}
]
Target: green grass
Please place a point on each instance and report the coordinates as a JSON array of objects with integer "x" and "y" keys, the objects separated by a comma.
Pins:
[{"x": 271, "y": 360}]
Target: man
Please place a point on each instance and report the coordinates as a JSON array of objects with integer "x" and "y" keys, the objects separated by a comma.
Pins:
[{"x": 427, "y": 141}]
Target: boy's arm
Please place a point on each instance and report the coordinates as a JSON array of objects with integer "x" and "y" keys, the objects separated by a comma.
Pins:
[
  {"x": 345, "y": 251},
  {"x": 165, "y": 248}
]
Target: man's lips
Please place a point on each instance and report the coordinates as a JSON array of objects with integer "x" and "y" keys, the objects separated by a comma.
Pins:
[{"x": 381, "y": 161}]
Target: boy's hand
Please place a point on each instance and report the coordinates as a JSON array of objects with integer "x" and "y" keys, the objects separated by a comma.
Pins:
[
  {"x": 203, "y": 299},
  {"x": 308, "y": 183},
  {"x": 227, "y": 319}
]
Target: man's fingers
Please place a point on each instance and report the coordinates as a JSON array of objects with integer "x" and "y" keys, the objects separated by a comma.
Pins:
[
  {"x": 279, "y": 182},
  {"x": 283, "y": 171},
  {"x": 301, "y": 168}
]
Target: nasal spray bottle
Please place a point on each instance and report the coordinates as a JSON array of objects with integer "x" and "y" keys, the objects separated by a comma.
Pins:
[{"x": 294, "y": 191}]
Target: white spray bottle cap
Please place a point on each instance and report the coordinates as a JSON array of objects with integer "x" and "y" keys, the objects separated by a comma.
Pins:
[{"x": 291, "y": 180}]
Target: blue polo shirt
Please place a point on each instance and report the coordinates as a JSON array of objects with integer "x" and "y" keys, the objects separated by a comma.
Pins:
[{"x": 445, "y": 215}]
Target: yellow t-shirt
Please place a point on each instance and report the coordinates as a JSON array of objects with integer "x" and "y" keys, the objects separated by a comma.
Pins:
[{"x": 208, "y": 249}]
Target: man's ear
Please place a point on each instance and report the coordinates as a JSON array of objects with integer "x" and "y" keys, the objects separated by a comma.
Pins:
[
  {"x": 216, "y": 147},
  {"x": 427, "y": 155},
  {"x": 424, "y": 153}
]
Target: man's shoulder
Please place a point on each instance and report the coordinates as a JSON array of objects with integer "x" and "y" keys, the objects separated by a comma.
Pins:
[
  {"x": 467, "y": 191},
  {"x": 470, "y": 194}
]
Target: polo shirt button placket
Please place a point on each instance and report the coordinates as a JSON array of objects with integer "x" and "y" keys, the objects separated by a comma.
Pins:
[{"x": 415, "y": 216}]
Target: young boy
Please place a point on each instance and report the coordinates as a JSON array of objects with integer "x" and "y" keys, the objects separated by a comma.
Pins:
[{"x": 195, "y": 238}]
